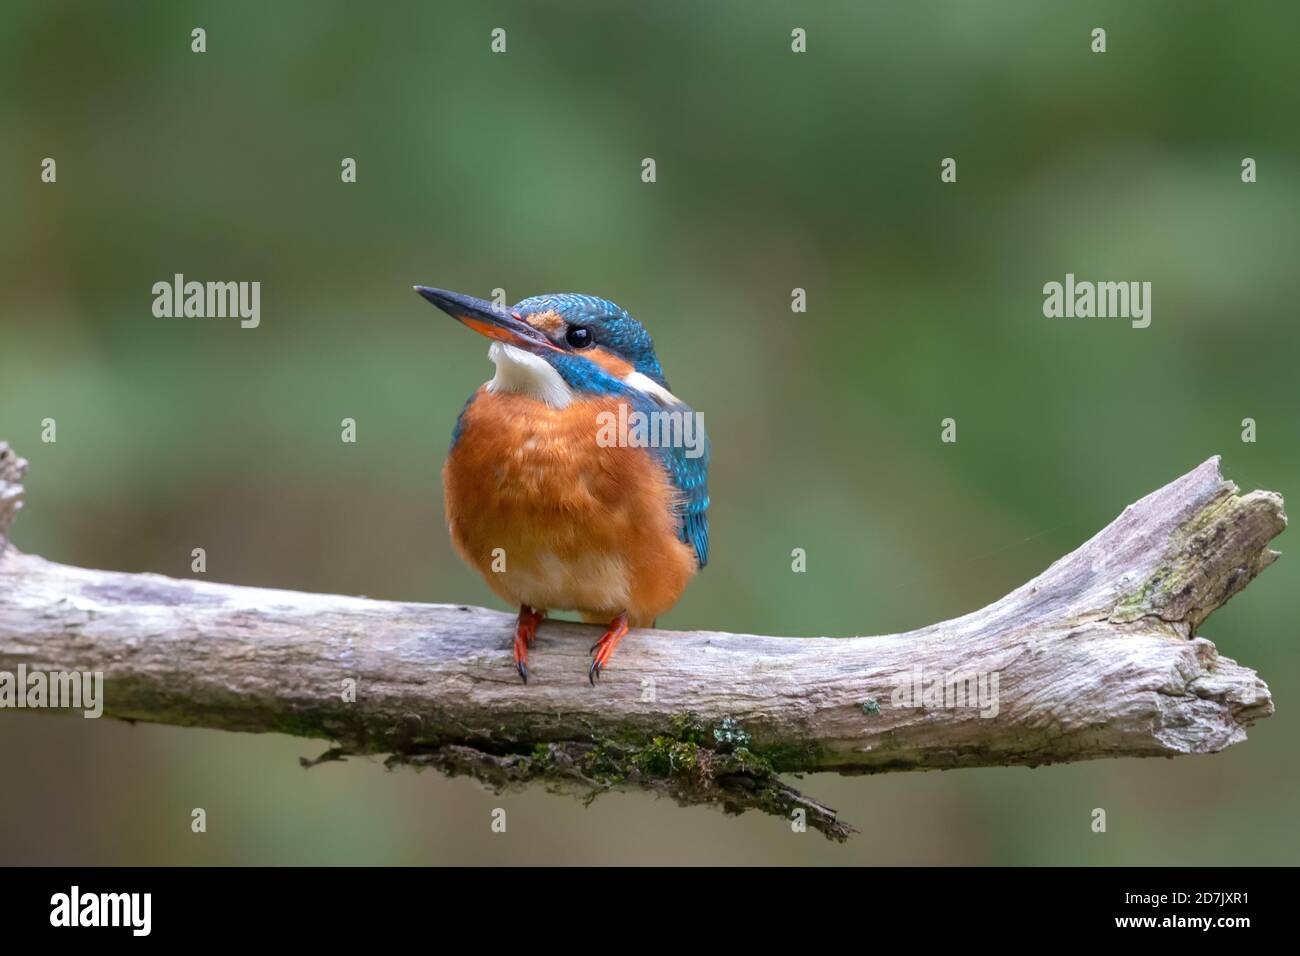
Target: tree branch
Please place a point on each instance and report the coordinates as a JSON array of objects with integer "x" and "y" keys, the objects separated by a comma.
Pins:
[{"x": 1096, "y": 657}]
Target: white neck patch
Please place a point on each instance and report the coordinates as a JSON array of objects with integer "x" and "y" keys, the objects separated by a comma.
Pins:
[
  {"x": 647, "y": 385},
  {"x": 527, "y": 374}
]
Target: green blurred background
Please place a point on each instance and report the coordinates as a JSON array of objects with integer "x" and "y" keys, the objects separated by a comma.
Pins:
[{"x": 522, "y": 171}]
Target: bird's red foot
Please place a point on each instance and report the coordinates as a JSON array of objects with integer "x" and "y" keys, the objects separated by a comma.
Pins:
[
  {"x": 524, "y": 634},
  {"x": 604, "y": 648}
]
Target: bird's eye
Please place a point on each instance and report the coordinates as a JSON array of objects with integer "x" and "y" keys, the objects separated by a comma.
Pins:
[{"x": 578, "y": 336}]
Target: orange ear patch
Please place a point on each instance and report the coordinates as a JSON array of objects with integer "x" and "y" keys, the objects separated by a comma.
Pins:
[{"x": 610, "y": 362}]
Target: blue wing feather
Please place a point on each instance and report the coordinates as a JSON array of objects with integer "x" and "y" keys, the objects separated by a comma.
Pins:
[{"x": 691, "y": 477}]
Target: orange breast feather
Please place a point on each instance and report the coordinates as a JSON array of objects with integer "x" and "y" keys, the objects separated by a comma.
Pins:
[{"x": 578, "y": 526}]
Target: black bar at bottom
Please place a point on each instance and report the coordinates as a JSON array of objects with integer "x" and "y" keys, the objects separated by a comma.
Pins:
[{"x": 927, "y": 906}]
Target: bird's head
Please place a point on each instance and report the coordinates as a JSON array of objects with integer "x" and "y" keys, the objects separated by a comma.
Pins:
[{"x": 582, "y": 340}]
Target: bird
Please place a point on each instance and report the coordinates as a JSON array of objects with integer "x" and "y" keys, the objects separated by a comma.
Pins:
[{"x": 549, "y": 495}]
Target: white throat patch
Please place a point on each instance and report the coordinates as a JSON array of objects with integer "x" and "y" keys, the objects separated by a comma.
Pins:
[{"x": 527, "y": 374}]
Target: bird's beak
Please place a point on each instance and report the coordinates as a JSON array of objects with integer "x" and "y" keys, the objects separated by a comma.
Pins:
[{"x": 487, "y": 318}]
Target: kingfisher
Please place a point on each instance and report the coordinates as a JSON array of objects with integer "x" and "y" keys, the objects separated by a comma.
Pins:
[{"x": 554, "y": 507}]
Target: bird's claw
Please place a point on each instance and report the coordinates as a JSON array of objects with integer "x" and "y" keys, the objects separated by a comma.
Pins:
[
  {"x": 525, "y": 633},
  {"x": 603, "y": 649}
]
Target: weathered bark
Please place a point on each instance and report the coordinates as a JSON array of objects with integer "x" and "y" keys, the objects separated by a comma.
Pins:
[{"x": 1096, "y": 657}]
